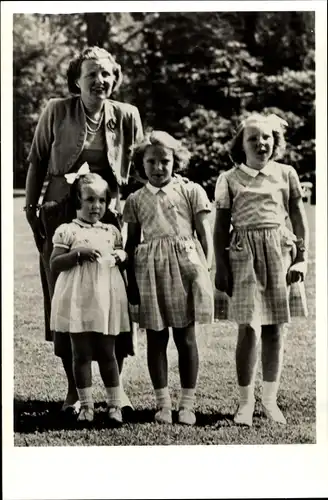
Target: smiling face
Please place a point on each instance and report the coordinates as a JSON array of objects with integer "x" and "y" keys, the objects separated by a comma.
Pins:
[
  {"x": 93, "y": 201},
  {"x": 258, "y": 142},
  {"x": 96, "y": 80},
  {"x": 158, "y": 164}
]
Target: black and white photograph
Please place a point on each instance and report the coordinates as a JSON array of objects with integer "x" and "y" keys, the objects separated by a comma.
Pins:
[{"x": 167, "y": 256}]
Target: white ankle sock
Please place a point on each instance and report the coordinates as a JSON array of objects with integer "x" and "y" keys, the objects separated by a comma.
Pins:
[
  {"x": 269, "y": 392},
  {"x": 114, "y": 396},
  {"x": 246, "y": 394},
  {"x": 85, "y": 396},
  {"x": 187, "y": 398},
  {"x": 163, "y": 398}
]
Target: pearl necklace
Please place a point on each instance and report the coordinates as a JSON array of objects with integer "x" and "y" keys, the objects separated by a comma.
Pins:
[
  {"x": 91, "y": 120},
  {"x": 97, "y": 123}
]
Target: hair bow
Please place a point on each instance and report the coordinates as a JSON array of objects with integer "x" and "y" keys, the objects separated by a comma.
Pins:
[{"x": 83, "y": 170}]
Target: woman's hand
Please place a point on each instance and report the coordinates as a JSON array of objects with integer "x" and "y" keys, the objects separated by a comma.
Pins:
[
  {"x": 223, "y": 279},
  {"x": 296, "y": 272},
  {"x": 37, "y": 229},
  {"x": 86, "y": 254}
]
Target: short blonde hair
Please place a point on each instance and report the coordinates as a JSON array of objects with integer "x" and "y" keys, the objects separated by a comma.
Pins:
[
  {"x": 181, "y": 155},
  {"x": 74, "y": 68},
  {"x": 277, "y": 124},
  {"x": 85, "y": 180}
]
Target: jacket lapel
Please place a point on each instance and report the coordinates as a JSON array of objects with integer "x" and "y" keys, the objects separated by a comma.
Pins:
[{"x": 110, "y": 133}]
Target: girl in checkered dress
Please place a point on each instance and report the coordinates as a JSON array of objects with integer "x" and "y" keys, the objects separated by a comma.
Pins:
[
  {"x": 262, "y": 263},
  {"x": 169, "y": 270}
]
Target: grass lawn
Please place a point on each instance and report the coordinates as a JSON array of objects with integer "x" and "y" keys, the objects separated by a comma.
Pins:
[{"x": 39, "y": 382}]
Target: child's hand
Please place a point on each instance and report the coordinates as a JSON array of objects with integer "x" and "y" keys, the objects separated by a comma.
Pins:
[
  {"x": 120, "y": 255},
  {"x": 87, "y": 254},
  {"x": 223, "y": 280},
  {"x": 296, "y": 272}
]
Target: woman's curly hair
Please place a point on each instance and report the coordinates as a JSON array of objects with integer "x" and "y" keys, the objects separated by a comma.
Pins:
[
  {"x": 74, "y": 68},
  {"x": 181, "y": 155},
  {"x": 237, "y": 153}
]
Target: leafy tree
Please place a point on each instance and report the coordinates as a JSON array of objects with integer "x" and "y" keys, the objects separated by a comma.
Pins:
[{"x": 193, "y": 74}]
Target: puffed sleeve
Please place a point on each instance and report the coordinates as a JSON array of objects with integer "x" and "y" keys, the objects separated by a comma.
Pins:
[
  {"x": 129, "y": 211},
  {"x": 63, "y": 237},
  {"x": 43, "y": 137},
  {"x": 295, "y": 188},
  {"x": 199, "y": 199},
  {"x": 222, "y": 196}
]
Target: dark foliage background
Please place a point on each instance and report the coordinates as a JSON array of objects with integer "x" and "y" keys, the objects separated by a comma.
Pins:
[{"x": 192, "y": 74}]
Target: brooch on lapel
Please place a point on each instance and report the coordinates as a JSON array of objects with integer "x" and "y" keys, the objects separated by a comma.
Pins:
[{"x": 111, "y": 124}]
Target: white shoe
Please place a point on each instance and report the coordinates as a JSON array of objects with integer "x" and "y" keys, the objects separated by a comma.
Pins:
[
  {"x": 186, "y": 417},
  {"x": 164, "y": 416},
  {"x": 86, "y": 414},
  {"x": 273, "y": 412},
  {"x": 75, "y": 407},
  {"x": 115, "y": 415},
  {"x": 244, "y": 415}
]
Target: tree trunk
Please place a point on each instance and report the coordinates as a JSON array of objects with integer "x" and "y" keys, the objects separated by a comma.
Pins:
[{"x": 97, "y": 29}]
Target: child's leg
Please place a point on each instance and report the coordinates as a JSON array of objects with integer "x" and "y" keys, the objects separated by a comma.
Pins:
[
  {"x": 82, "y": 359},
  {"x": 185, "y": 341},
  {"x": 108, "y": 368},
  {"x": 246, "y": 364},
  {"x": 120, "y": 355},
  {"x": 157, "y": 364},
  {"x": 272, "y": 358}
]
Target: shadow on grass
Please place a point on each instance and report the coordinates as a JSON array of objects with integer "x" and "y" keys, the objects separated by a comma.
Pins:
[{"x": 42, "y": 416}]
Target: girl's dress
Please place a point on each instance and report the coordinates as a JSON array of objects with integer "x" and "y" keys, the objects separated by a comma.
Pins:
[
  {"x": 90, "y": 297},
  {"x": 170, "y": 266},
  {"x": 262, "y": 246}
]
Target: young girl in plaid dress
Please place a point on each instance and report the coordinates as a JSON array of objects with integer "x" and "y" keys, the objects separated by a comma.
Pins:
[
  {"x": 90, "y": 300},
  {"x": 262, "y": 263},
  {"x": 169, "y": 270}
]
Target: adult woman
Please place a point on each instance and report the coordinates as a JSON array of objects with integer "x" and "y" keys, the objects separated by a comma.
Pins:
[{"x": 86, "y": 127}]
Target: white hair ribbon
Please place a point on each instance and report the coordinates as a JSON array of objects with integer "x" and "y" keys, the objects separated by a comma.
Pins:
[{"x": 83, "y": 170}]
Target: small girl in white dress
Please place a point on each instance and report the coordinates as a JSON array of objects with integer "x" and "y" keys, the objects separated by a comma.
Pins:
[{"x": 90, "y": 301}]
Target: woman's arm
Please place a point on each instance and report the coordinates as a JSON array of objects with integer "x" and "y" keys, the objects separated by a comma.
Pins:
[
  {"x": 221, "y": 239},
  {"x": 38, "y": 164},
  {"x": 204, "y": 233},
  {"x": 34, "y": 182},
  {"x": 62, "y": 259}
]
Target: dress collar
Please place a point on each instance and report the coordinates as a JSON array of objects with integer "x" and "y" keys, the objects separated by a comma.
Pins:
[
  {"x": 83, "y": 223},
  {"x": 267, "y": 170},
  {"x": 167, "y": 189}
]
